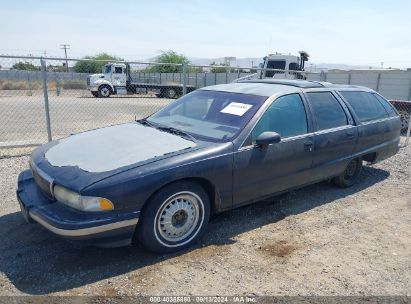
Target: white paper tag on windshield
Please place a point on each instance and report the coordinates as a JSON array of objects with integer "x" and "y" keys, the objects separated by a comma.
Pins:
[{"x": 236, "y": 108}]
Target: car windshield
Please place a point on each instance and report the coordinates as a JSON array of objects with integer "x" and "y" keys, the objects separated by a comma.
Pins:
[{"x": 211, "y": 115}]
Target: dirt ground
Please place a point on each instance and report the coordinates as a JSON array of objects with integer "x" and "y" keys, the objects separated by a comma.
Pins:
[{"x": 319, "y": 240}]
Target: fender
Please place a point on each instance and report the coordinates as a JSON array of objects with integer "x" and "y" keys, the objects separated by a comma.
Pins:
[{"x": 100, "y": 82}]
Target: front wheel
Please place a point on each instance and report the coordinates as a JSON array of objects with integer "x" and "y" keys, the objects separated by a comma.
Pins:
[
  {"x": 350, "y": 175},
  {"x": 174, "y": 218},
  {"x": 104, "y": 91},
  {"x": 170, "y": 93}
]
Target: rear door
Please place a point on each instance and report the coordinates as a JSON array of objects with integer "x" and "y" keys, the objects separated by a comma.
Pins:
[
  {"x": 260, "y": 172},
  {"x": 335, "y": 135}
]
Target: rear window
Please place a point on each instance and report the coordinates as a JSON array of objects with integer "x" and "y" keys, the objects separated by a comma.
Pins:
[
  {"x": 387, "y": 105},
  {"x": 365, "y": 105},
  {"x": 327, "y": 110}
]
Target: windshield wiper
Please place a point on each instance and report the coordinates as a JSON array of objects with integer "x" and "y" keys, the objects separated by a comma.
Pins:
[
  {"x": 144, "y": 121},
  {"x": 177, "y": 132},
  {"x": 172, "y": 130}
]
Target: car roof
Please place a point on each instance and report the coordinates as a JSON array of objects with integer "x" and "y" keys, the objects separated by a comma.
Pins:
[
  {"x": 288, "y": 82},
  {"x": 261, "y": 89},
  {"x": 269, "y": 87}
]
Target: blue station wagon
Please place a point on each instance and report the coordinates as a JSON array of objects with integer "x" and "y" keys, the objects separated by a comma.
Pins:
[{"x": 157, "y": 180}]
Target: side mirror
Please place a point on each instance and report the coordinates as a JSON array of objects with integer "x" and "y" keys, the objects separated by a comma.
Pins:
[{"x": 266, "y": 138}]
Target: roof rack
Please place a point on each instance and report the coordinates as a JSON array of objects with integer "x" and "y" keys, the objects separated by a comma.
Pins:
[{"x": 289, "y": 82}]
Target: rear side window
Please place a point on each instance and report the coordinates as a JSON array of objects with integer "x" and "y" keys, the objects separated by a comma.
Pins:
[
  {"x": 286, "y": 116},
  {"x": 386, "y": 104},
  {"x": 327, "y": 110},
  {"x": 365, "y": 105}
]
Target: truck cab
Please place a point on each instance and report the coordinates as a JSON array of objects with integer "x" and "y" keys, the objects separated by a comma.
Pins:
[
  {"x": 113, "y": 80},
  {"x": 116, "y": 74},
  {"x": 283, "y": 66}
]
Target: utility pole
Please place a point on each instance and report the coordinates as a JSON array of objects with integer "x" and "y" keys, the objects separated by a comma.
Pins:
[{"x": 65, "y": 47}]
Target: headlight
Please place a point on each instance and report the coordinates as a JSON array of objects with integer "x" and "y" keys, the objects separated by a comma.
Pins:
[{"x": 83, "y": 203}]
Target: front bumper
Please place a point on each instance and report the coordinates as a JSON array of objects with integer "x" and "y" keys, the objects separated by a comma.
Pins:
[
  {"x": 92, "y": 88},
  {"x": 108, "y": 229}
]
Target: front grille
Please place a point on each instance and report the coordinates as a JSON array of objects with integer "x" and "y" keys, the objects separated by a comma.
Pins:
[{"x": 42, "y": 180}]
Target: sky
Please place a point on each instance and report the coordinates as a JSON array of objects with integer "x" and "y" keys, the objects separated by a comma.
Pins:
[{"x": 358, "y": 32}]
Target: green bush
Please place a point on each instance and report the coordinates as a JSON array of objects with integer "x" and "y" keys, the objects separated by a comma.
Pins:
[{"x": 74, "y": 84}]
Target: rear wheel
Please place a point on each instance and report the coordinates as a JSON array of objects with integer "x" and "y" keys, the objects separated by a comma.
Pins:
[
  {"x": 104, "y": 91},
  {"x": 350, "y": 175},
  {"x": 174, "y": 218},
  {"x": 170, "y": 93}
]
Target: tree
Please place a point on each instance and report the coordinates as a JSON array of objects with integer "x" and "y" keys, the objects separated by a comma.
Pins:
[
  {"x": 94, "y": 66},
  {"x": 25, "y": 66},
  {"x": 168, "y": 57}
]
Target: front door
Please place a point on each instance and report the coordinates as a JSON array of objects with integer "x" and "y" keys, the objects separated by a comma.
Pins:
[
  {"x": 259, "y": 172},
  {"x": 119, "y": 76}
]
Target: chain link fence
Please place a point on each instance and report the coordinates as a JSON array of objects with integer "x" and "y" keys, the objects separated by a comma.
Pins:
[{"x": 43, "y": 98}]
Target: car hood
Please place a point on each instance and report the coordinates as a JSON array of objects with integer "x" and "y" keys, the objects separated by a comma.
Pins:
[{"x": 85, "y": 158}]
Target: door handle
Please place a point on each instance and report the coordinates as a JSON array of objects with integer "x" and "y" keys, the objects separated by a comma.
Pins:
[{"x": 308, "y": 146}]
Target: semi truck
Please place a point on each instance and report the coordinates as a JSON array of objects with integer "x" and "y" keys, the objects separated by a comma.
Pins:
[{"x": 116, "y": 79}]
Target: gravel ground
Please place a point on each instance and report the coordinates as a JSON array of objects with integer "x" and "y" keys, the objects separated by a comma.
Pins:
[{"x": 319, "y": 240}]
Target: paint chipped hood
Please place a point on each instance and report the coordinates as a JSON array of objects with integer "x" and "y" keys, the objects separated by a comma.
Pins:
[{"x": 85, "y": 158}]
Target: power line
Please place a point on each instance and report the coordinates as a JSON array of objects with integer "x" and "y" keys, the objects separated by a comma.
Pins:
[{"x": 65, "y": 47}]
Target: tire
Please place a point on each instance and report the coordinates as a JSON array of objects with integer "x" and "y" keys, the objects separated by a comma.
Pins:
[
  {"x": 405, "y": 119},
  {"x": 104, "y": 91},
  {"x": 95, "y": 94},
  {"x": 170, "y": 93},
  {"x": 350, "y": 175},
  {"x": 163, "y": 231}
]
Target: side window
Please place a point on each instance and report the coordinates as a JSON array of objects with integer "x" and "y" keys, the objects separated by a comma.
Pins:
[
  {"x": 118, "y": 70},
  {"x": 386, "y": 104},
  {"x": 327, "y": 110},
  {"x": 365, "y": 105},
  {"x": 286, "y": 116}
]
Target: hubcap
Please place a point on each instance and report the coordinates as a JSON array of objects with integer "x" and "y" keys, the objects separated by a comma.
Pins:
[
  {"x": 171, "y": 93},
  {"x": 178, "y": 217},
  {"x": 105, "y": 92}
]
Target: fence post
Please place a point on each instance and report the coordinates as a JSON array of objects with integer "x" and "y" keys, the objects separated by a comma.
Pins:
[
  {"x": 184, "y": 78},
  {"x": 349, "y": 78},
  {"x": 46, "y": 99},
  {"x": 205, "y": 79},
  {"x": 29, "y": 81},
  {"x": 377, "y": 87},
  {"x": 409, "y": 92}
]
